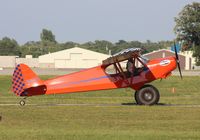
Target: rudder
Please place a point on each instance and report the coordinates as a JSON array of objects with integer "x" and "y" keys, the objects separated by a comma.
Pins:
[{"x": 25, "y": 82}]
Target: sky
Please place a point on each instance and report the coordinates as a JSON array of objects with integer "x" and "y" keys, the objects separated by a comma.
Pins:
[{"x": 89, "y": 20}]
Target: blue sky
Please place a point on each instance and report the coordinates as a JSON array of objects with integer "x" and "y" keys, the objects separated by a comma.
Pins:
[{"x": 90, "y": 20}]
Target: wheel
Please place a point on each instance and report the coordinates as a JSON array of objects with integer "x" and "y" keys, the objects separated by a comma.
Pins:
[
  {"x": 22, "y": 102},
  {"x": 147, "y": 95}
]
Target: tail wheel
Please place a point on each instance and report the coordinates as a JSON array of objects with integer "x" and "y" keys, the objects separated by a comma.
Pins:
[
  {"x": 147, "y": 95},
  {"x": 22, "y": 103}
]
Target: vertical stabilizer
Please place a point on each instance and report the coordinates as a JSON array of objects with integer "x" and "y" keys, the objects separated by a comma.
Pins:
[{"x": 25, "y": 82}]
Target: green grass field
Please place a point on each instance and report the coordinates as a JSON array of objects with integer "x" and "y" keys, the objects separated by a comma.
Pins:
[{"x": 105, "y": 115}]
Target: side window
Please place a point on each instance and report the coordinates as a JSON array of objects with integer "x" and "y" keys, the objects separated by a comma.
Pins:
[
  {"x": 138, "y": 64},
  {"x": 135, "y": 67},
  {"x": 124, "y": 65},
  {"x": 141, "y": 65},
  {"x": 112, "y": 70}
]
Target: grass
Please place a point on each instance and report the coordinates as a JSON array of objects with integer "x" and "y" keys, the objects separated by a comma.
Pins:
[{"x": 99, "y": 122}]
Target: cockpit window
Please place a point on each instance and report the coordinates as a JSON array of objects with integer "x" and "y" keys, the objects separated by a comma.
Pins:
[
  {"x": 132, "y": 66},
  {"x": 111, "y": 69},
  {"x": 144, "y": 59}
]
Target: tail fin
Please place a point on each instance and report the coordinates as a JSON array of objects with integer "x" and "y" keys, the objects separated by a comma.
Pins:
[{"x": 26, "y": 83}]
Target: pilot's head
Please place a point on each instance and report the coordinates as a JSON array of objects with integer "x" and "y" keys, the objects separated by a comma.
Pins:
[{"x": 130, "y": 60}]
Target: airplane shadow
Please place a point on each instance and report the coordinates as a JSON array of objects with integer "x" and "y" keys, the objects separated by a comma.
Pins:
[{"x": 134, "y": 104}]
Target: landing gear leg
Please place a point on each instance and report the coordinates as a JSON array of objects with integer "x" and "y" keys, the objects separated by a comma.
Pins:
[{"x": 23, "y": 102}]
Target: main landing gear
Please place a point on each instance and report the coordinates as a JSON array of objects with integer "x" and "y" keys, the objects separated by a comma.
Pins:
[{"x": 147, "y": 95}]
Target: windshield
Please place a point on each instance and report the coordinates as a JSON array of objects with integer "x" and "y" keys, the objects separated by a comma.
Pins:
[{"x": 144, "y": 59}]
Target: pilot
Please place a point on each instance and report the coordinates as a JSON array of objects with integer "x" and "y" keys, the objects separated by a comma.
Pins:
[
  {"x": 131, "y": 68},
  {"x": 130, "y": 65}
]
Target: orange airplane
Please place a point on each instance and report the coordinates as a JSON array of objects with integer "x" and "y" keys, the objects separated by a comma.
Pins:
[{"x": 109, "y": 75}]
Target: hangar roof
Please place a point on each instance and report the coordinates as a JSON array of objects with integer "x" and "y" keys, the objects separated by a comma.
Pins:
[{"x": 75, "y": 50}]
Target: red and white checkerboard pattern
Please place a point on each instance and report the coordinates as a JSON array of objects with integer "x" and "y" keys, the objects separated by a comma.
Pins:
[{"x": 18, "y": 81}]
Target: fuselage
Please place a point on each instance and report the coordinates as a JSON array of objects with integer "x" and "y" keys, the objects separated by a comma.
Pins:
[{"x": 97, "y": 79}]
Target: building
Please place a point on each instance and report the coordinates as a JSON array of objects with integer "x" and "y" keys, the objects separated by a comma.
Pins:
[
  {"x": 185, "y": 62},
  {"x": 12, "y": 61},
  {"x": 28, "y": 60},
  {"x": 188, "y": 55},
  {"x": 83, "y": 58},
  {"x": 72, "y": 58},
  {"x": 7, "y": 61}
]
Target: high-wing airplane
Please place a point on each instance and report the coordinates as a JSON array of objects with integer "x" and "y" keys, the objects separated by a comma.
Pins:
[{"x": 111, "y": 74}]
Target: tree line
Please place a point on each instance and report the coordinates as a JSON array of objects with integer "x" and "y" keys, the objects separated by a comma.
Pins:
[{"x": 48, "y": 44}]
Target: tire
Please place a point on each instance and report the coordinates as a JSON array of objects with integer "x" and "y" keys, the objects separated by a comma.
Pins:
[
  {"x": 137, "y": 102},
  {"x": 22, "y": 103},
  {"x": 147, "y": 95}
]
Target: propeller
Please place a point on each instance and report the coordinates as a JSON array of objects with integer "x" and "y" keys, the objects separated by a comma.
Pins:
[{"x": 177, "y": 61}]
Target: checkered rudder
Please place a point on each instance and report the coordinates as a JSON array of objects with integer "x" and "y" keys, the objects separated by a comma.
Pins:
[{"x": 18, "y": 81}]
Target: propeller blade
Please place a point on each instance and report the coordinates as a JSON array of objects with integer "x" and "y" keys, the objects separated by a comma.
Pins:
[
  {"x": 177, "y": 61},
  {"x": 179, "y": 68},
  {"x": 176, "y": 53}
]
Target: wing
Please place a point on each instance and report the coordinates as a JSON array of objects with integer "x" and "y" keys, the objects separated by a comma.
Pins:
[{"x": 122, "y": 55}]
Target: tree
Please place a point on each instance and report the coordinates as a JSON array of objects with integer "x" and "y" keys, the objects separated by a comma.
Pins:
[
  {"x": 68, "y": 45},
  {"x": 188, "y": 28},
  {"x": 120, "y": 42},
  {"x": 9, "y": 47},
  {"x": 47, "y": 36}
]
